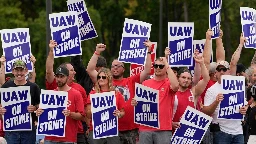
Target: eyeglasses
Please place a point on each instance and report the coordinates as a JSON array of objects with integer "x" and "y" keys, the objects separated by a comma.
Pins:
[
  {"x": 221, "y": 69},
  {"x": 158, "y": 66},
  {"x": 101, "y": 77},
  {"x": 118, "y": 66}
]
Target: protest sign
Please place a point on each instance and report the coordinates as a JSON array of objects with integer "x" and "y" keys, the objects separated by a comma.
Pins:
[
  {"x": 248, "y": 21},
  {"x": 136, "y": 69},
  {"x": 215, "y": 17},
  {"x": 16, "y": 100},
  {"x": 86, "y": 27},
  {"x": 233, "y": 89},
  {"x": 198, "y": 44},
  {"x": 147, "y": 110},
  {"x": 65, "y": 31},
  {"x": 52, "y": 121},
  {"x": 132, "y": 49},
  {"x": 16, "y": 46},
  {"x": 193, "y": 125},
  {"x": 180, "y": 37},
  {"x": 105, "y": 124}
]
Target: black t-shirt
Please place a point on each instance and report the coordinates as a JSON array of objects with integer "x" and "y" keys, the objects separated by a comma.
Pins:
[
  {"x": 34, "y": 92},
  {"x": 252, "y": 121}
]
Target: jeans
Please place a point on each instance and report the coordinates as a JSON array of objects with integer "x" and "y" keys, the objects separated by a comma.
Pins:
[
  {"x": 51, "y": 142},
  {"x": 20, "y": 137},
  {"x": 224, "y": 138}
]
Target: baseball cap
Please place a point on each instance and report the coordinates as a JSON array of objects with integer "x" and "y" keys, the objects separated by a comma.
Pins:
[
  {"x": 62, "y": 70},
  {"x": 19, "y": 64},
  {"x": 223, "y": 63}
]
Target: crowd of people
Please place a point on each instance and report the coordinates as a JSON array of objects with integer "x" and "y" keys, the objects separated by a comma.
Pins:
[{"x": 177, "y": 90}]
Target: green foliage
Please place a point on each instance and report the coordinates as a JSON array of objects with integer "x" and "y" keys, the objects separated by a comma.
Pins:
[{"x": 108, "y": 18}]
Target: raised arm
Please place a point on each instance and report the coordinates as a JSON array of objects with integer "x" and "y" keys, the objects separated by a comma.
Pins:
[
  {"x": 208, "y": 49},
  {"x": 236, "y": 56},
  {"x": 50, "y": 62},
  {"x": 200, "y": 87},
  {"x": 220, "y": 52},
  {"x": 93, "y": 61},
  {"x": 32, "y": 75},
  {"x": 144, "y": 74},
  {"x": 171, "y": 76},
  {"x": 197, "y": 70},
  {"x": 2, "y": 71}
]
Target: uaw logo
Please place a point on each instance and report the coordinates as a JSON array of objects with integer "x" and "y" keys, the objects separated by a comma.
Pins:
[{"x": 214, "y": 4}]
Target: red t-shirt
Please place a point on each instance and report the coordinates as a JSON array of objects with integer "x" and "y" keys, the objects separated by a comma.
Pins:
[
  {"x": 127, "y": 88},
  {"x": 75, "y": 104},
  {"x": 166, "y": 100},
  {"x": 181, "y": 102},
  {"x": 78, "y": 87},
  {"x": 1, "y": 129},
  {"x": 120, "y": 103}
]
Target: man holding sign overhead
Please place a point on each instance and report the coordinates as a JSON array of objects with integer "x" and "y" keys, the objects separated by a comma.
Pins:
[
  {"x": 73, "y": 113},
  {"x": 16, "y": 134}
]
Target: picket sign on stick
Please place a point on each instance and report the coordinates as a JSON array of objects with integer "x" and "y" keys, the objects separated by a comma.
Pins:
[
  {"x": 16, "y": 100},
  {"x": 248, "y": 21},
  {"x": 16, "y": 46},
  {"x": 193, "y": 125},
  {"x": 105, "y": 124},
  {"x": 180, "y": 42},
  {"x": 86, "y": 27},
  {"x": 147, "y": 110},
  {"x": 198, "y": 44},
  {"x": 233, "y": 89},
  {"x": 136, "y": 69},
  {"x": 132, "y": 49},
  {"x": 215, "y": 17},
  {"x": 65, "y": 31},
  {"x": 52, "y": 121}
]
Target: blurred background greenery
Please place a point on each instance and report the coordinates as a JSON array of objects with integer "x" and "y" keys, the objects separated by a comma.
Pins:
[{"x": 108, "y": 18}]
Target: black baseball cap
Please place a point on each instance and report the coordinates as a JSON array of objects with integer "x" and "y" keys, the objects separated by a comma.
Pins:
[{"x": 62, "y": 70}]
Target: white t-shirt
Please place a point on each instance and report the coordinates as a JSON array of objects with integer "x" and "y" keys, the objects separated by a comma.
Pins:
[{"x": 233, "y": 127}]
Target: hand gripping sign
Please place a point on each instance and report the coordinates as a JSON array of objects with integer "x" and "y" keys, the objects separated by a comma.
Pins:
[
  {"x": 105, "y": 124},
  {"x": 132, "y": 49},
  {"x": 248, "y": 21},
  {"x": 136, "y": 69},
  {"x": 193, "y": 125},
  {"x": 233, "y": 88},
  {"x": 147, "y": 110},
  {"x": 52, "y": 121},
  {"x": 16, "y": 100},
  {"x": 65, "y": 31},
  {"x": 86, "y": 27},
  {"x": 215, "y": 17},
  {"x": 16, "y": 46},
  {"x": 180, "y": 40}
]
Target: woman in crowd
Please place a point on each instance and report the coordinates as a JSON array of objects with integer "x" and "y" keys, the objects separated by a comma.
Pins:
[{"x": 104, "y": 84}]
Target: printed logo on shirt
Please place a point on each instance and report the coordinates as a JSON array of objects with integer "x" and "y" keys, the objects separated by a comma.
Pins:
[
  {"x": 191, "y": 98},
  {"x": 69, "y": 103},
  {"x": 162, "y": 89},
  {"x": 124, "y": 91}
]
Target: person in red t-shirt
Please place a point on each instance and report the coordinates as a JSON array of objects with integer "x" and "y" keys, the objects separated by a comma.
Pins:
[
  {"x": 127, "y": 128},
  {"x": 73, "y": 113},
  {"x": 167, "y": 87},
  {"x": 105, "y": 84},
  {"x": 187, "y": 96},
  {"x": 51, "y": 84}
]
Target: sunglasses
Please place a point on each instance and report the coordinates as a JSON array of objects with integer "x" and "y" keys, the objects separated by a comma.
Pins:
[
  {"x": 158, "y": 66},
  {"x": 221, "y": 69},
  {"x": 101, "y": 77},
  {"x": 118, "y": 66}
]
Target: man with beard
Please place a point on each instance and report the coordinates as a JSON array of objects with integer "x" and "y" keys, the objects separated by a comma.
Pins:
[
  {"x": 165, "y": 81},
  {"x": 128, "y": 130},
  {"x": 187, "y": 96},
  {"x": 51, "y": 84},
  {"x": 73, "y": 113},
  {"x": 19, "y": 70}
]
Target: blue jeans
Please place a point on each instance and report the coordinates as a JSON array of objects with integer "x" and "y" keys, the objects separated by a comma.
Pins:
[
  {"x": 224, "y": 138},
  {"x": 20, "y": 137},
  {"x": 51, "y": 142}
]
